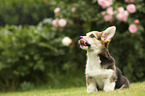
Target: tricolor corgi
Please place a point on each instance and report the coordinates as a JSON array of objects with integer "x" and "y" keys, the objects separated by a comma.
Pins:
[{"x": 101, "y": 72}]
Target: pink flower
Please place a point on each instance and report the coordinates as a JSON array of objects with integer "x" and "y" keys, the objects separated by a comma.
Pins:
[
  {"x": 56, "y": 10},
  {"x": 129, "y": 1},
  {"x": 105, "y": 3},
  {"x": 110, "y": 10},
  {"x": 62, "y": 22},
  {"x": 73, "y": 9},
  {"x": 102, "y": 3},
  {"x": 126, "y": 1},
  {"x": 55, "y": 22},
  {"x": 126, "y": 13},
  {"x": 119, "y": 17},
  {"x": 103, "y": 13},
  {"x": 120, "y": 9},
  {"x": 136, "y": 21},
  {"x": 131, "y": 8},
  {"x": 108, "y": 18},
  {"x": 122, "y": 16},
  {"x": 132, "y": 28}
]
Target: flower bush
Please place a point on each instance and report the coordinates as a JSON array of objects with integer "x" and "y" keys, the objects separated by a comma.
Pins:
[
  {"x": 120, "y": 14},
  {"x": 49, "y": 51},
  {"x": 37, "y": 55},
  {"x": 127, "y": 15}
]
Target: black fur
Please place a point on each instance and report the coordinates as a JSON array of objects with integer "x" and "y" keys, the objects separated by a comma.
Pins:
[
  {"x": 108, "y": 62},
  {"x": 122, "y": 82},
  {"x": 87, "y": 44},
  {"x": 99, "y": 38}
]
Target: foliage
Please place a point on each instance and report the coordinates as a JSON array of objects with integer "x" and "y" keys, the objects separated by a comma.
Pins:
[
  {"x": 127, "y": 47},
  {"x": 26, "y": 53},
  {"x": 34, "y": 54},
  {"x": 26, "y": 86},
  {"x": 23, "y": 11},
  {"x": 49, "y": 52}
]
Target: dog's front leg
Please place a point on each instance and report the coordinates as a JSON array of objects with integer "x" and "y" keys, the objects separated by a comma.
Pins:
[
  {"x": 108, "y": 86},
  {"x": 91, "y": 84}
]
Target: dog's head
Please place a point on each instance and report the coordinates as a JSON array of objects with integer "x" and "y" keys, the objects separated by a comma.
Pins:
[{"x": 96, "y": 41}]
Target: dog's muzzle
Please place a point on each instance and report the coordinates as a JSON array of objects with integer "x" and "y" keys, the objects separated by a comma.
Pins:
[{"x": 83, "y": 42}]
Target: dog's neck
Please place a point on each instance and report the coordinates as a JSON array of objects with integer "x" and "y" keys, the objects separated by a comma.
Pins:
[
  {"x": 93, "y": 60},
  {"x": 99, "y": 60}
]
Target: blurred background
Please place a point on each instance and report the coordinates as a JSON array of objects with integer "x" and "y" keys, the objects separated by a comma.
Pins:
[{"x": 39, "y": 40}]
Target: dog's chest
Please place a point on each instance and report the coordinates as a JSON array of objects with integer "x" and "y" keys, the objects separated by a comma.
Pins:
[
  {"x": 94, "y": 69},
  {"x": 97, "y": 72}
]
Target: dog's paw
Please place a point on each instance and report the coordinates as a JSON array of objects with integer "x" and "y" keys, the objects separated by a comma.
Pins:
[
  {"x": 91, "y": 90},
  {"x": 109, "y": 87}
]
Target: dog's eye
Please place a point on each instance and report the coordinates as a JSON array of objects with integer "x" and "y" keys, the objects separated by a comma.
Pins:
[{"x": 92, "y": 36}]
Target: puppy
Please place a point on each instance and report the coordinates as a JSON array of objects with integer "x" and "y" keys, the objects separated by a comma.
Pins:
[{"x": 101, "y": 72}]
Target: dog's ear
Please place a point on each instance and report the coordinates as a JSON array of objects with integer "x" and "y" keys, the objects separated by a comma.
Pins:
[{"x": 108, "y": 33}]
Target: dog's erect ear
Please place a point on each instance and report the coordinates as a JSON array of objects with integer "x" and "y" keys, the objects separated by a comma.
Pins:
[{"x": 108, "y": 33}]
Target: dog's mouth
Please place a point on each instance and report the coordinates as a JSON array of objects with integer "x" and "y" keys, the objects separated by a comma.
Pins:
[{"x": 84, "y": 44}]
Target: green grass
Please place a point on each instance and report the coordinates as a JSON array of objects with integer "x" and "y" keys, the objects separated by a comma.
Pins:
[{"x": 136, "y": 89}]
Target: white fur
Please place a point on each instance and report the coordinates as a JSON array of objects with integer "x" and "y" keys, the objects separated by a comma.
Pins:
[
  {"x": 109, "y": 86},
  {"x": 91, "y": 87},
  {"x": 101, "y": 76}
]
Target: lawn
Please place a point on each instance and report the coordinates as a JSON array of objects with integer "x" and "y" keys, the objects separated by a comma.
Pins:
[{"x": 136, "y": 89}]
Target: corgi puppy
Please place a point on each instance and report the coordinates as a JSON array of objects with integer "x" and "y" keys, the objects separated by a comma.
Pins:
[{"x": 101, "y": 72}]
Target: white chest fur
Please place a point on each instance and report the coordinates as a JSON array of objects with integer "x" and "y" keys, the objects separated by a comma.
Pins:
[{"x": 93, "y": 68}]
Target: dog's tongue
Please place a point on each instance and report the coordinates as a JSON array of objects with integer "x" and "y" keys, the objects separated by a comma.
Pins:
[{"x": 82, "y": 42}]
